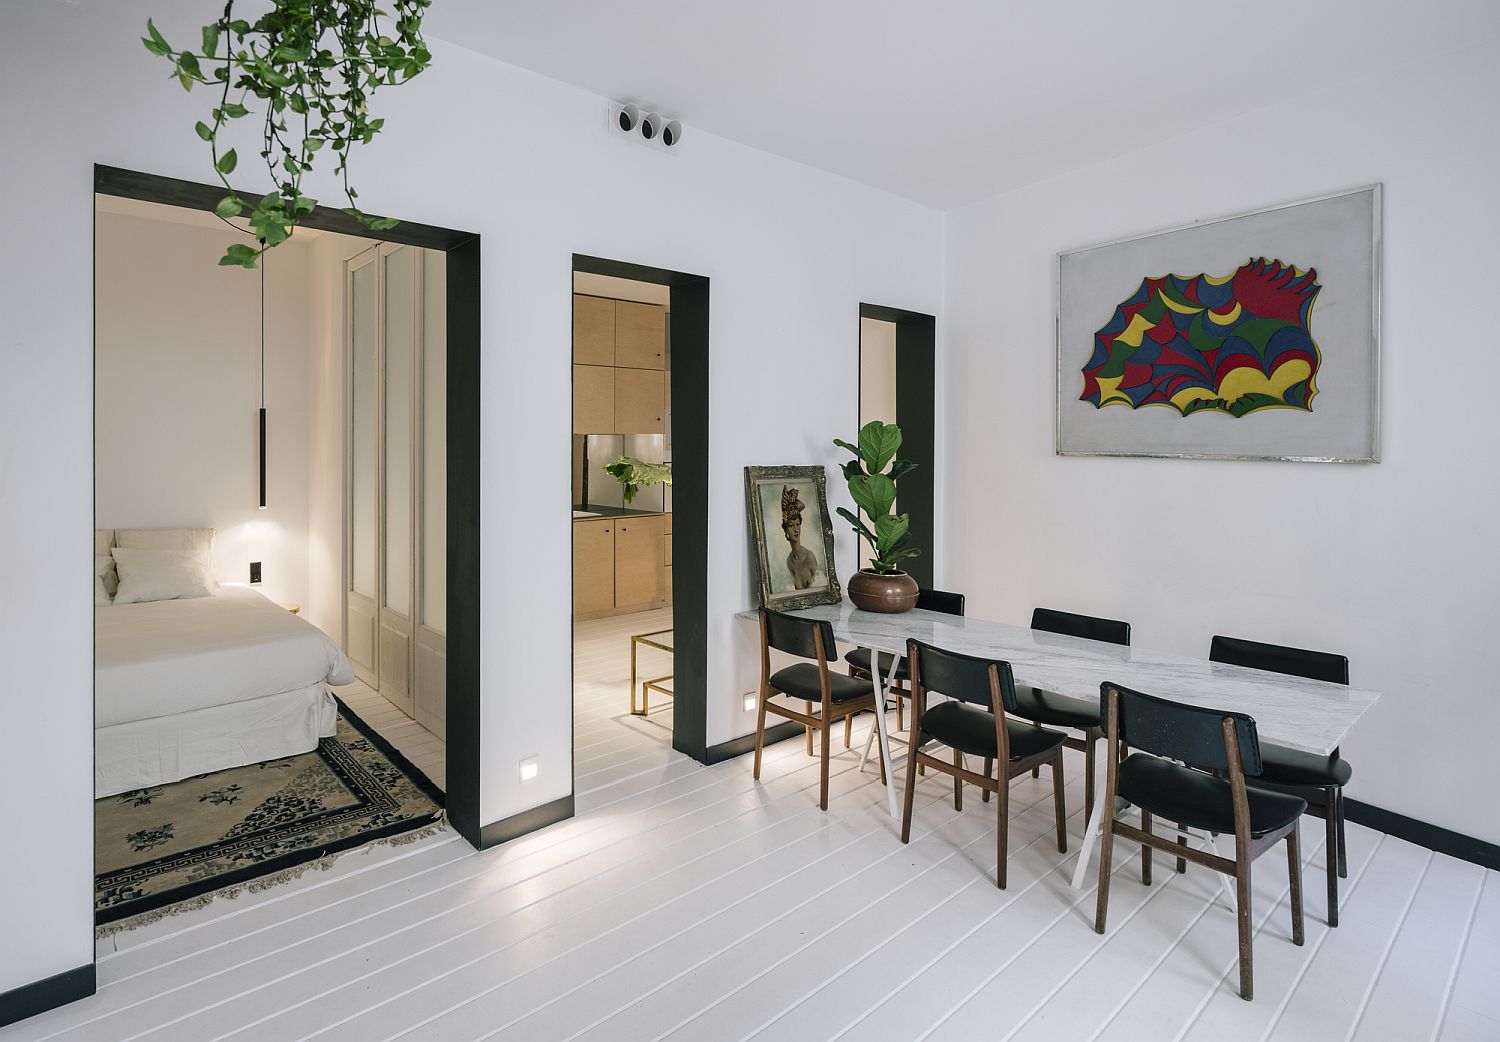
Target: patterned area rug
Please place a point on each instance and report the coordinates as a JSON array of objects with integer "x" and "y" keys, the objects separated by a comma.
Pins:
[{"x": 254, "y": 825}]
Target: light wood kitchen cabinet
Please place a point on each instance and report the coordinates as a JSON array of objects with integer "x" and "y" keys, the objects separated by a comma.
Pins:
[
  {"x": 640, "y": 401},
  {"x": 640, "y": 335},
  {"x": 639, "y": 569},
  {"x": 593, "y": 330},
  {"x": 594, "y": 399},
  {"x": 593, "y": 567}
]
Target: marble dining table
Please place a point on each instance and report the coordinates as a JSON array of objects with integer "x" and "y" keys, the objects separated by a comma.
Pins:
[{"x": 1312, "y": 716}]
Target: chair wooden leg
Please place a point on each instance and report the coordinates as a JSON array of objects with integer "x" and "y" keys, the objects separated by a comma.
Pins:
[
  {"x": 958, "y": 786},
  {"x": 1146, "y": 848},
  {"x": 910, "y": 794},
  {"x": 848, "y": 729},
  {"x": 1331, "y": 855},
  {"x": 1242, "y": 913},
  {"x": 1294, "y": 873},
  {"x": 989, "y": 765},
  {"x": 1181, "y": 838},
  {"x": 900, "y": 713},
  {"x": 827, "y": 732},
  {"x": 809, "y": 730},
  {"x": 1057, "y": 803},
  {"x": 1106, "y": 855},
  {"x": 1343, "y": 851},
  {"x": 1002, "y": 831},
  {"x": 760, "y": 731},
  {"x": 1090, "y": 739}
]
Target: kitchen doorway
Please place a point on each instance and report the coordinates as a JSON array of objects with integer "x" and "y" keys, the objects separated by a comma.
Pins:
[{"x": 638, "y": 517}]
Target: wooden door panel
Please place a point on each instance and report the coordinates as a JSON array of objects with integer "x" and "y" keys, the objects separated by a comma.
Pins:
[
  {"x": 593, "y": 566},
  {"x": 640, "y": 402},
  {"x": 640, "y": 579},
  {"x": 593, "y": 399},
  {"x": 395, "y": 661},
  {"x": 431, "y": 696},
  {"x": 593, "y": 330},
  {"x": 640, "y": 335},
  {"x": 361, "y": 649}
]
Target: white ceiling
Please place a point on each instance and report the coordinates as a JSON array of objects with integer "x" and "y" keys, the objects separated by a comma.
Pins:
[{"x": 948, "y": 102}]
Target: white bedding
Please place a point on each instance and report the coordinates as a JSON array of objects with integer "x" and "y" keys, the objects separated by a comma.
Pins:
[
  {"x": 166, "y": 657},
  {"x": 185, "y": 687}
]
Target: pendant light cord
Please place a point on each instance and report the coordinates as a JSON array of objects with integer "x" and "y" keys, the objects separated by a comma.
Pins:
[{"x": 263, "y": 325}]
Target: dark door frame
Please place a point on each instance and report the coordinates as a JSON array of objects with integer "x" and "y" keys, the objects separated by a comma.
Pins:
[
  {"x": 462, "y": 248},
  {"x": 916, "y": 411},
  {"x": 688, "y": 334}
]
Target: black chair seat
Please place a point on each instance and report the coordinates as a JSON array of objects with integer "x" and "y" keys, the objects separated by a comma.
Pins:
[
  {"x": 972, "y": 730},
  {"x": 859, "y": 658},
  {"x": 1046, "y": 708},
  {"x": 1200, "y": 800},
  {"x": 1290, "y": 767},
  {"x": 801, "y": 681}
]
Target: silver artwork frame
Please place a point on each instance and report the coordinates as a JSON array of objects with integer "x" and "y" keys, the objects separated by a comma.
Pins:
[{"x": 1376, "y": 281}]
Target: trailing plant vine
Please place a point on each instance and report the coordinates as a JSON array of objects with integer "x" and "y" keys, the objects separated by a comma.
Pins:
[{"x": 313, "y": 64}]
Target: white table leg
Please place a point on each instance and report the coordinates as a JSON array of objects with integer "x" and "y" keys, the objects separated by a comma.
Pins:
[
  {"x": 1086, "y": 848},
  {"x": 877, "y": 732}
]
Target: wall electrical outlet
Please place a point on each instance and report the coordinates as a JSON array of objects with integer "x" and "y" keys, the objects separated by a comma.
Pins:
[{"x": 254, "y": 572}]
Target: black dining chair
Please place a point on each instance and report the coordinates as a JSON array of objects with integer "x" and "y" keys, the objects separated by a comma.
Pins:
[
  {"x": 1044, "y": 707},
  {"x": 1319, "y": 780},
  {"x": 1208, "y": 788},
  {"x": 981, "y": 692},
  {"x": 859, "y": 659},
  {"x": 837, "y": 696}
]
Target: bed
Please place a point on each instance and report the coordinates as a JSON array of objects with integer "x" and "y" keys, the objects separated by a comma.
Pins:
[{"x": 189, "y": 686}]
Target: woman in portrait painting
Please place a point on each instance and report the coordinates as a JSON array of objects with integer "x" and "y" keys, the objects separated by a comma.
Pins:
[{"x": 801, "y": 562}]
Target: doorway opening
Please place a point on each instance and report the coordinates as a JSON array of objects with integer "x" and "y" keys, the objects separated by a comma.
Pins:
[
  {"x": 638, "y": 518},
  {"x": 898, "y": 384},
  {"x": 228, "y": 544}
]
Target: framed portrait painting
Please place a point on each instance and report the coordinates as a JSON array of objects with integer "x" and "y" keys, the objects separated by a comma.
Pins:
[
  {"x": 793, "y": 536},
  {"x": 1247, "y": 337}
]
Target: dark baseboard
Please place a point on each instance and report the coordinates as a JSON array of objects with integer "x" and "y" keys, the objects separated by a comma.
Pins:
[
  {"x": 517, "y": 825},
  {"x": 40, "y": 996},
  {"x": 1444, "y": 841},
  {"x": 746, "y": 743}
]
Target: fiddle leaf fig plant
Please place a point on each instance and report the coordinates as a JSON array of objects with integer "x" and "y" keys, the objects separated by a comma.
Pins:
[
  {"x": 872, "y": 475},
  {"x": 307, "y": 69}
]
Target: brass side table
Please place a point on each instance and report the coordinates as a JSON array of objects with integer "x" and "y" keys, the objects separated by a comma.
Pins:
[{"x": 661, "y": 640}]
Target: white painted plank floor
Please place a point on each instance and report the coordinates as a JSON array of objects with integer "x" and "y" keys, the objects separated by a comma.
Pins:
[{"x": 691, "y": 902}]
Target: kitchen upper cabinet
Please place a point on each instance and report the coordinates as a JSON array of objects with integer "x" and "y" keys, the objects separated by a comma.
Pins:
[
  {"x": 640, "y": 335},
  {"x": 640, "y": 577},
  {"x": 594, "y": 399},
  {"x": 593, "y": 566},
  {"x": 640, "y": 401},
  {"x": 593, "y": 330}
]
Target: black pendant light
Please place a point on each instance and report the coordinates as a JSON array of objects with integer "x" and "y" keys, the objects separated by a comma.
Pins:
[{"x": 263, "y": 376}]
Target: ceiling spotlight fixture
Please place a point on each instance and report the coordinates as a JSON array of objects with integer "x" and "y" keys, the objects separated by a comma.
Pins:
[
  {"x": 644, "y": 126},
  {"x": 629, "y": 117},
  {"x": 651, "y": 126},
  {"x": 671, "y": 133}
]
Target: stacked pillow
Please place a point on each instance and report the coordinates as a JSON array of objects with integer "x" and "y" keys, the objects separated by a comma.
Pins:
[{"x": 158, "y": 565}]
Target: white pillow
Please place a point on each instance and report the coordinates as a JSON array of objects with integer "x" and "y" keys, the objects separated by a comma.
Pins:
[
  {"x": 170, "y": 539},
  {"x": 161, "y": 575},
  {"x": 104, "y": 540},
  {"x": 103, "y": 565}
]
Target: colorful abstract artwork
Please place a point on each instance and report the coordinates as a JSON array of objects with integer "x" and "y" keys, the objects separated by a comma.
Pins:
[{"x": 1234, "y": 343}]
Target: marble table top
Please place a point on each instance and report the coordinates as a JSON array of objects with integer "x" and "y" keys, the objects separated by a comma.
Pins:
[{"x": 1309, "y": 715}]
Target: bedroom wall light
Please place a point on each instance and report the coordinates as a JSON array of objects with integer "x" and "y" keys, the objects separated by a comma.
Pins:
[
  {"x": 528, "y": 768},
  {"x": 262, "y": 505}
]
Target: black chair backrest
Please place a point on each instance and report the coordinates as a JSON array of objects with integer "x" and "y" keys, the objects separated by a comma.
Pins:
[
  {"x": 1314, "y": 665},
  {"x": 940, "y": 600},
  {"x": 965, "y": 677},
  {"x": 1191, "y": 734},
  {"x": 1086, "y": 626},
  {"x": 794, "y": 635}
]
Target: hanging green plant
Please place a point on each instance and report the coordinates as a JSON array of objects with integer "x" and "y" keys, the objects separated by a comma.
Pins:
[
  {"x": 313, "y": 63},
  {"x": 634, "y": 475}
]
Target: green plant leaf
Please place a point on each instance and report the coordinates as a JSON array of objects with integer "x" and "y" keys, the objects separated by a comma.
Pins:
[
  {"x": 161, "y": 50},
  {"x": 239, "y": 255},
  {"x": 229, "y": 206},
  {"x": 890, "y": 532},
  {"x": 900, "y": 467},
  {"x": 857, "y": 524},
  {"x": 234, "y": 110},
  {"x": 203, "y": 130},
  {"x": 211, "y": 39},
  {"x": 875, "y": 494},
  {"x": 878, "y": 444},
  {"x": 841, "y": 443},
  {"x": 188, "y": 63},
  {"x": 156, "y": 37},
  {"x": 227, "y": 162}
]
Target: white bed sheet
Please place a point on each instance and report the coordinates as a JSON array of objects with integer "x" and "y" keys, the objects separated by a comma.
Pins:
[
  {"x": 165, "y": 749},
  {"x": 167, "y": 657}
]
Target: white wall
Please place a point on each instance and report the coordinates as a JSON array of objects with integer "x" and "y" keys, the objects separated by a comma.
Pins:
[
  {"x": 474, "y": 145},
  {"x": 1393, "y": 564},
  {"x": 178, "y": 386}
]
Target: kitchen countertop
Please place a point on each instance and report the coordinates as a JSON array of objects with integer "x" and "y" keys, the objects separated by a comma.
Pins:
[{"x": 606, "y": 513}]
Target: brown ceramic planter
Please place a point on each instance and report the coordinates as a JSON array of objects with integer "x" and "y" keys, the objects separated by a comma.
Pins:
[{"x": 883, "y": 593}]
